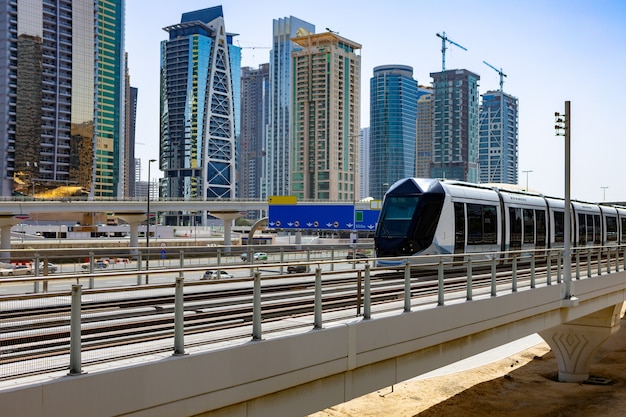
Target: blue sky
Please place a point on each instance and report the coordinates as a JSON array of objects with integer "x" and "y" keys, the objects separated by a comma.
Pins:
[{"x": 551, "y": 51}]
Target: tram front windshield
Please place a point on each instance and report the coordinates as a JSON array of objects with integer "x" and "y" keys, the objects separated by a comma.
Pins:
[{"x": 395, "y": 218}]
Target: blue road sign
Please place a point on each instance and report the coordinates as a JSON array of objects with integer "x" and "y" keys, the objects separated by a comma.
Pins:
[{"x": 321, "y": 217}]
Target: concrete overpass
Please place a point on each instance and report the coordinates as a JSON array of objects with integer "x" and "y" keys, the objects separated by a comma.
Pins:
[{"x": 297, "y": 374}]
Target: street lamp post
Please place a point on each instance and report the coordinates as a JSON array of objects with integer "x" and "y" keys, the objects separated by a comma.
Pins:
[
  {"x": 562, "y": 127},
  {"x": 604, "y": 193},
  {"x": 148, "y": 220},
  {"x": 527, "y": 172}
]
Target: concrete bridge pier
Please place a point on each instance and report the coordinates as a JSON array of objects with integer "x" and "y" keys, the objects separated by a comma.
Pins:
[
  {"x": 227, "y": 216},
  {"x": 133, "y": 220},
  {"x": 575, "y": 343},
  {"x": 6, "y": 222}
]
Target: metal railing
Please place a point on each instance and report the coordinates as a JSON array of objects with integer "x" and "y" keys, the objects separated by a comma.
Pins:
[{"x": 337, "y": 294}]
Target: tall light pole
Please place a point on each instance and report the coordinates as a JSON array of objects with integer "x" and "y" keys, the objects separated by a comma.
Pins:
[
  {"x": 148, "y": 220},
  {"x": 562, "y": 127},
  {"x": 604, "y": 193},
  {"x": 527, "y": 172}
]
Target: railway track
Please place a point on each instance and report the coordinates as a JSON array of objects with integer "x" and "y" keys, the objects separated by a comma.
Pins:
[{"x": 40, "y": 332}]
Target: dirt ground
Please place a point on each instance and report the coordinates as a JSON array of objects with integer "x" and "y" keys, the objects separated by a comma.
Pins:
[{"x": 521, "y": 385}]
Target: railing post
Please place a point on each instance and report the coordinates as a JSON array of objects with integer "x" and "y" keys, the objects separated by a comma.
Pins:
[
  {"x": 599, "y": 262},
  {"x": 257, "y": 332},
  {"x": 91, "y": 268},
  {"x": 367, "y": 301},
  {"x": 359, "y": 297},
  {"x": 559, "y": 266},
  {"x": 318, "y": 298},
  {"x": 493, "y": 276},
  {"x": 219, "y": 257},
  {"x": 608, "y": 260},
  {"x": 532, "y": 270},
  {"x": 139, "y": 266},
  {"x": 514, "y": 275},
  {"x": 469, "y": 279},
  {"x": 549, "y": 268},
  {"x": 407, "y": 287},
  {"x": 588, "y": 263},
  {"x": 332, "y": 258},
  {"x": 440, "y": 291},
  {"x": 282, "y": 259},
  {"x": 181, "y": 260},
  {"x": 179, "y": 317},
  {"x": 75, "y": 331},
  {"x": 36, "y": 270},
  {"x": 577, "y": 264}
]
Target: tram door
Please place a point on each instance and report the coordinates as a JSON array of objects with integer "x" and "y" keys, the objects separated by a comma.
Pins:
[
  {"x": 515, "y": 229},
  {"x": 459, "y": 227}
]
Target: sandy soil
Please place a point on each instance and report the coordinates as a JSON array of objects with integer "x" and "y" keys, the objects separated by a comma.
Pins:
[{"x": 520, "y": 385}]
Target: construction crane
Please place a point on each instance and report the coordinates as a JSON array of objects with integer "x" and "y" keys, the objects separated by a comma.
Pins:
[
  {"x": 499, "y": 71},
  {"x": 253, "y": 48},
  {"x": 444, "y": 46}
]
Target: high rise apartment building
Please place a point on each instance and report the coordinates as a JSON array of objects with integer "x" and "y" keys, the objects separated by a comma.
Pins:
[
  {"x": 61, "y": 73},
  {"x": 424, "y": 143},
  {"x": 276, "y": 181},
  {"x": 200, "y": 94},
  {"x": 455, "y": 124},
  {"x": 364, "y": 164},
  {"x": 393, "y": 113},
  {"x": 254, "y": 124},
  {"x": 325, "y": 117},
  {"x": 498, "y": 153}
]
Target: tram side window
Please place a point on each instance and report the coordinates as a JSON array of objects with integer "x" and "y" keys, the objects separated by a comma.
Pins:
[
  {"x": 611, "y": 229},
  {"x": 515, "y": 217},
  {"x": 597, "y": 230},
  {"x": 529, "y": 226},
  {"x": 582, "y": 229},
  {"x": 559, "y": 226},
  {"x": 482, "y": 224},
  {"x": 623, "y": 237},
  {"x": 540, "y": 216}
]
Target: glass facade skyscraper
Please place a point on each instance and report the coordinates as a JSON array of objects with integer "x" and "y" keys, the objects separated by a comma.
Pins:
[
  {"x": 278, "y": 148},
  {"x": 200, "y": 95},
  {"x": 393, "y": 114},
  {"x": 498, "y": 154},
  {"x": 455, "y": 124},
  {"x": 110, "y": 166},
  {"x": 48, "y": 95}
]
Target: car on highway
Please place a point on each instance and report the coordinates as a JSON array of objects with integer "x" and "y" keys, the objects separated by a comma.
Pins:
[
  {"x": 52, "y": 268},
  {"x": 297, "y": 269},
  {"x": 16, "y": 270},
  {"x": 97, "y": 264},
  {"x": 257, "y": 256},
  {"x": 216, "y": 275}
]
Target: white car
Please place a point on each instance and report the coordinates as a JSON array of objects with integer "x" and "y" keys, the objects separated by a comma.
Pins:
[
  {"x": 17, "y": 270},
  {"x": 216, "y": 275}
]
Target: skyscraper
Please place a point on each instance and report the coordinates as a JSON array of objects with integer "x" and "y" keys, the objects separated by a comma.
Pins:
[
  {"x": 393, "y": 113},
  {"x": 325, "y": 117},
  {"x": 278, "y": 144},
  {"x": 455, "y": 124},
  {"x": 364, "y": 164},
  {"x": 254, "y": 122},
  {"x": 424, "y": 147},
  {"x": 200, "y": 77},
  {"x": 110, "y": 167},
  {"x": 48, "y": 96},
  {"x": 498, "y": 154}
]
